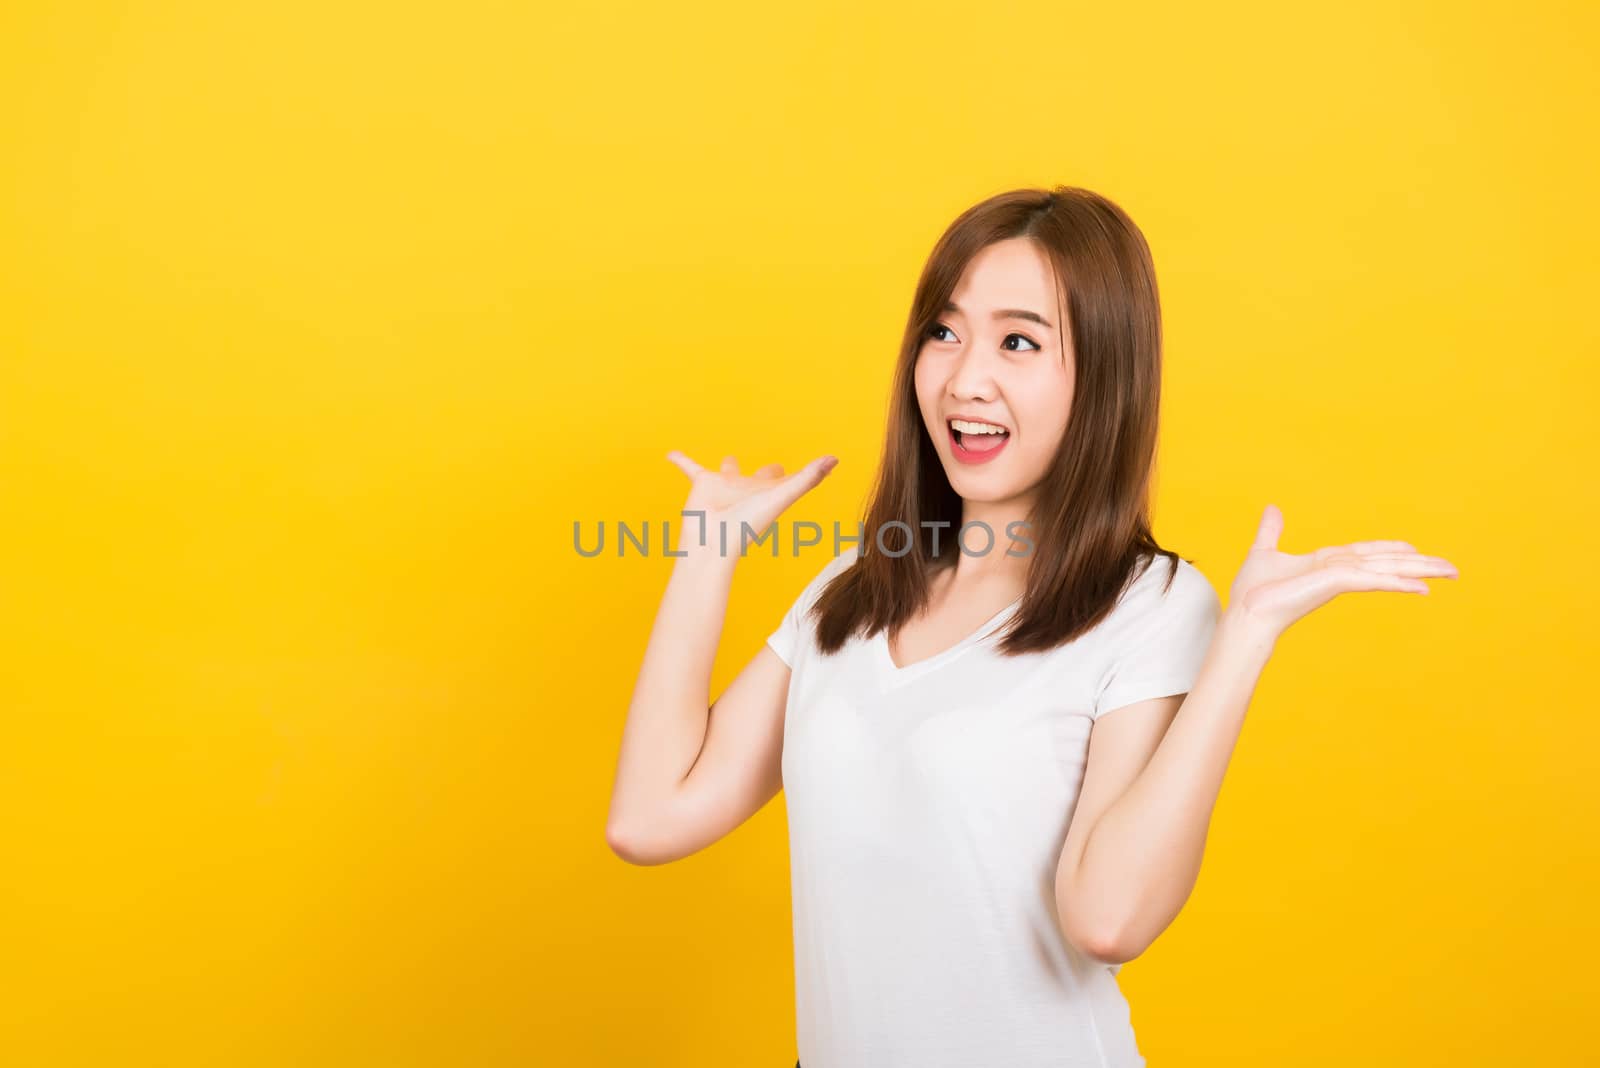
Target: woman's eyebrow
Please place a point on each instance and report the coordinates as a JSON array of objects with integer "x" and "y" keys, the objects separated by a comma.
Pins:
[{"x": 1006, "y": 313}]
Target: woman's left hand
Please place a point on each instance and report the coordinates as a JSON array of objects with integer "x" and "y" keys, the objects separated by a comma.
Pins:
[{"x": 1275, "y": 588}]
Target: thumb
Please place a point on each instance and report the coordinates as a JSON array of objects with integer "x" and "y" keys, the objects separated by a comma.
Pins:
[{"x": 1270, "y": 528}]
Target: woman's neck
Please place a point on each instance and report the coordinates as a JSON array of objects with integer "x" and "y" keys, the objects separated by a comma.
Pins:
[{"x": 1000, "y": 554}]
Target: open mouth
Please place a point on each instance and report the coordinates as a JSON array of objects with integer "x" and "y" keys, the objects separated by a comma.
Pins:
[{"x": 973, "y": 447}]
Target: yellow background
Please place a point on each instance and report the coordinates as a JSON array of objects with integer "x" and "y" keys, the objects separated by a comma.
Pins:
[{"x": 323, "y": 323}]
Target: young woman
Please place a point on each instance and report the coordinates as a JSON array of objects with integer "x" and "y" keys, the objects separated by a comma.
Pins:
[{"x": 999, "y": 754}]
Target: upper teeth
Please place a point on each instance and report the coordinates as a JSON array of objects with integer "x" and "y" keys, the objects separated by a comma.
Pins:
[{"x": 977, "y": 428}]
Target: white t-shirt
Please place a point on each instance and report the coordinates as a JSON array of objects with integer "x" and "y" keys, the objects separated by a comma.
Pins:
[{"x": 927, "y": 809}]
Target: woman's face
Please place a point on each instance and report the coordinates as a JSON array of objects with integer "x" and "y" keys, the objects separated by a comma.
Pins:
[{"x": 990, "y": 358}]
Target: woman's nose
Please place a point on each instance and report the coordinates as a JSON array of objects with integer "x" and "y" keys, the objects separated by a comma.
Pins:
[{"x": 972, "y": 375}]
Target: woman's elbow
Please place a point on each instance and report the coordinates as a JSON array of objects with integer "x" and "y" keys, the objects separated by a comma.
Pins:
[
  {"x": 629, "y": 847},
  {"x": 1101, "y": 947},
  {"x": 1101, "y": 941}
]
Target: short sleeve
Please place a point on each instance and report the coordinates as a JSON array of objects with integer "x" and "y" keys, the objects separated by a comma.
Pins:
[
  {"x": 1159, "y": 652},
  {"x": 785, "y": 641}
]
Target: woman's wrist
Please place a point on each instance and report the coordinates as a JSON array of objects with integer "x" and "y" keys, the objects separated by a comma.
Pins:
[
  {"x": 703, "y": 559},
  {"x": 1245, "y": 633}
]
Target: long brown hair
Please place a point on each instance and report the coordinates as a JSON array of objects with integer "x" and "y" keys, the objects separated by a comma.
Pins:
[{"x": 1090, "y": 526}]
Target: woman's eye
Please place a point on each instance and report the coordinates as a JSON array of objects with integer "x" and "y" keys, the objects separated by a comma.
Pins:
[{"x": 937, "y": 328}]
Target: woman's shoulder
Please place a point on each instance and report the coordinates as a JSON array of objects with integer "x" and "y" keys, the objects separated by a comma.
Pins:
[
  {"x": 824, "y": 574},
  {"x": 1164, "y": 585},
  {"x": 838, "y": 563}
]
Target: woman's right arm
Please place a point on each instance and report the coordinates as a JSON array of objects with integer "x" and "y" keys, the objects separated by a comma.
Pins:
[{"x": 688, "y": 774}]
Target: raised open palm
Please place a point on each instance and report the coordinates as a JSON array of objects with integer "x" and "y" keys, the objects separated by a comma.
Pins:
[
  {"x": 1278, "y": 588},
  {"x": 730, "y": 499}
]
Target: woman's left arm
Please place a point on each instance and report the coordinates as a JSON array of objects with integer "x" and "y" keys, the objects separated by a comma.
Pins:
[{"x": 1140, "y": 858}]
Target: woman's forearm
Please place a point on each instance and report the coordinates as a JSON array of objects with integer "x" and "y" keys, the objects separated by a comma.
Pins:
[
  {"x": 669, "y": 710},
  {"x": 1142, "y": 857}
]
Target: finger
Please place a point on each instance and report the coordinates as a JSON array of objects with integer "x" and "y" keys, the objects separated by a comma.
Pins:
[
  {"x": 730, "y": 466},
  {"x": 1417, "y": 564},
  {"x": 1358, "y": 579},
  {"x": 1270, "y": 527},
  {"x": 1336, "y": 555},
  {"x": 1364, "y": 560},
  {"x": 686, "y": 465},
  {"x": 770, "y": 471},
  {"x": 796, "y": 485},
  {"x": 1380, "y": 546}
]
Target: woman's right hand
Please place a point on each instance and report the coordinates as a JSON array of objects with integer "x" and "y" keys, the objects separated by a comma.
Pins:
[{"x": 728, "y": 499}]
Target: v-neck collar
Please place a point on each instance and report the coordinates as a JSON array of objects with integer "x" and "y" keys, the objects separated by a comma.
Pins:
[{"x": 890, "y": 675}]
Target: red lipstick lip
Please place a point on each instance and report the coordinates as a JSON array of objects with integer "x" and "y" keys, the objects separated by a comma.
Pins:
[{"x": 969, "y": 457}]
